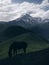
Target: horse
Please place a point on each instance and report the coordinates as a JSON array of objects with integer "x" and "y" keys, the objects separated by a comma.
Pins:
[{"x": 16, "y": 46}]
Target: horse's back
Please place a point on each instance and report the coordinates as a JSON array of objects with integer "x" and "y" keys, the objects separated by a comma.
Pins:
[{"x": 19, "y": 45}]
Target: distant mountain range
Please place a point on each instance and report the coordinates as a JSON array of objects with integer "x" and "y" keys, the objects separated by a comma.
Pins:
[
  {"x": 25, "y": 24},
  {"x": 26, "y": 20}
]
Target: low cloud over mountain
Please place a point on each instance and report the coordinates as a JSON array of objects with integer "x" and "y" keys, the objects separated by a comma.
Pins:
[{"x": 10, "y": 11}]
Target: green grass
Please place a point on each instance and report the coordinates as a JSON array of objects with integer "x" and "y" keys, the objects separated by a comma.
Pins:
[{"x": 33, "y": 44}]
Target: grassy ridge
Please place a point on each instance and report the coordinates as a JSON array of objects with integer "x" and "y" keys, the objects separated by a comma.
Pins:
[{"x": 33, "y": 44}]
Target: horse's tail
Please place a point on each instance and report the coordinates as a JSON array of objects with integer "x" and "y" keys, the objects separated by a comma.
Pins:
[{"x": 10, "y": 51}]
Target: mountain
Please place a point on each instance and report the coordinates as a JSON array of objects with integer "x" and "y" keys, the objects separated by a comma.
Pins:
[
  {"x": 42, "y": 30},
  {"x": 12, "y": 31},
  {"x": 34, "y": 24},
  {"x": 45, "y": 20},
  {"x": 45, "y": 30},
  {"x": 26, "y": 21}
]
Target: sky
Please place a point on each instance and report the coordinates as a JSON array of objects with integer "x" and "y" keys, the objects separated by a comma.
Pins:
[
  {"x": 13, "y": 9},
  {"x": 31, "y": 1}
]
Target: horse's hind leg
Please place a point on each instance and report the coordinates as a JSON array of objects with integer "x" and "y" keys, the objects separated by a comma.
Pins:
[
  {"x": 14, "y": 52},
  {"x": 24, "y": 50}
]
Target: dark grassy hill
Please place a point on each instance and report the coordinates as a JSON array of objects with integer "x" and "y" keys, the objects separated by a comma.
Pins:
[
  {"x": 2, "y": 28},
  {"x": 17, "y": 33},
  {"x": 33, "y": 41},
  {"x": 33, "y": 58},
  {"x": 14, "y": 28},
  {"x": 42, "y": 30},
  {"x": 13, "y": 31}
]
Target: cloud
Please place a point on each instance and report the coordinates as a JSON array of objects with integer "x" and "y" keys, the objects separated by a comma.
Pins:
[
  {"x": 46, "y": 15},
  {"x": 30, "y": 1},
  {"x": 10, "y": 11}
]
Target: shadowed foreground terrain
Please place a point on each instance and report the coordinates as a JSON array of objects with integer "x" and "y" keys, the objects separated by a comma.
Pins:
[{"x": 33, "y": 58}]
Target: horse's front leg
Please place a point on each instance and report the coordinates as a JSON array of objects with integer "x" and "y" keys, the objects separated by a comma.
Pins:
[
  {"x": 13, "y": 52},
  {"x": 16, "y": 52}
]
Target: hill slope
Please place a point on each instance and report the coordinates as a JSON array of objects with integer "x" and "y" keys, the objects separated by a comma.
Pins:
[
  {"x": 34, "y": 43},
  {"x": 34, "y": 58}
]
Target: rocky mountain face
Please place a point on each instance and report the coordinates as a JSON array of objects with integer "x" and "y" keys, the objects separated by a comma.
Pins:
[{"x": 34, "y": 24}]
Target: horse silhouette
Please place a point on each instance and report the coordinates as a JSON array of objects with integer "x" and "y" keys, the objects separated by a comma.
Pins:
[{"x": 15, "y": 46}]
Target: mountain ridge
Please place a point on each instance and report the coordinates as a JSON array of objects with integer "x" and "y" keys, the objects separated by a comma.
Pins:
[{"x": 27, "y": 22}]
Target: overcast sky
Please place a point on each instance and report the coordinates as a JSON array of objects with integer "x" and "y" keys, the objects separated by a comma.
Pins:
[{"x": 12, "y": 9}]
